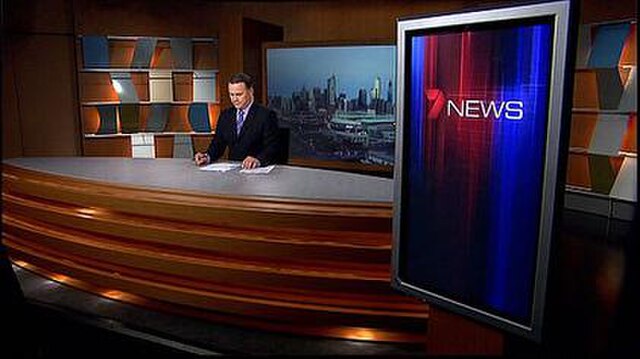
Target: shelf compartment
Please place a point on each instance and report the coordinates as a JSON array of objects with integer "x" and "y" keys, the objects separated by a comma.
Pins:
[
  {"x": 108, "y": 146},
  {"x": 164, "y": 144},
  {"x": 121, "y": 53},
  {"x": 162, "y": 58},
  {"x": 183, "y": 86},
  {"x": 160, "y": 86},
  {"x": 578, "y": 170},
  {"x": 585, "y": 94},
  {"x": 205, "y": 56},
  {"x": 97, "y": 87},
  {"x": 582, "y": 127},
  {"x": 139, "y": 85}
]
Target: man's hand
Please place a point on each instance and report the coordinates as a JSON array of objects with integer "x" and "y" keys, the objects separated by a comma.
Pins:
[
  {"x": 201, "y": 159},
  {"x": 250, "y": 163}
]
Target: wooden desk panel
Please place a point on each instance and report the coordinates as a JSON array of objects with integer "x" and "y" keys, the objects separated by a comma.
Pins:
[{"x": 216, "y": 247}]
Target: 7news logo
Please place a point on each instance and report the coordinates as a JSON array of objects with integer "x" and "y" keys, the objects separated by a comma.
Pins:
[{"x": 471, "y": 108}]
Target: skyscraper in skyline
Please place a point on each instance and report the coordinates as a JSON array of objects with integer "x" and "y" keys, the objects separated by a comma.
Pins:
[
  {"x": 331, "y": 90},
  {"x": 375, "y": 92},
  {"x": 362, "y": 100}
]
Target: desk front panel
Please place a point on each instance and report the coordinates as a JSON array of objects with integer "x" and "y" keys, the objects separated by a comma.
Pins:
[{"x": 296, "y": 263}]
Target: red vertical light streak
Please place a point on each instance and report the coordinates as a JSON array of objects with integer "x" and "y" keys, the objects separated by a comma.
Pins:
[
  {"x": 430, "y": 75},
  {"x": 465, "y": 142}
]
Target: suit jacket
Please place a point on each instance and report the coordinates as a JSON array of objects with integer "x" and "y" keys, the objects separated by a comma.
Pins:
[{"x": 257, "y": 138}]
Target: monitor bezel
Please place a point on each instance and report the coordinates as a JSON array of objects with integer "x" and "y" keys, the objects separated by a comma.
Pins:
[
  {"x": 556, "y": 147},
  {"x": 384, "y": 171}
]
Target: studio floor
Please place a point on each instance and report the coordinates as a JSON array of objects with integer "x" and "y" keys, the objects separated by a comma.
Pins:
[{"x": 589, "y": 296}]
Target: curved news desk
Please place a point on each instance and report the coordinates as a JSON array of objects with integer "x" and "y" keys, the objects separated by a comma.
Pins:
[{"x": 299, "y": 250}]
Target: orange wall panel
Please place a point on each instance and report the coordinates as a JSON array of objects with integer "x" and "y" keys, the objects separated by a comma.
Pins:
[
  {"x": 183, "y": 86},
  {"x": 616, "y": 164},
  {"x": 178, "y": 119},
  {"x": 578, "y": 170},
  {"x": 582, "y": 127},
  {"x": 201, "y": 142},
  {"x": 585, "y": 90},
  {"x": 121, "y": 53},
  {"x": 205, "y": 56},
  {"x": 90, "y": 119},
  {"x": 108, "y": 146},
  {"x": 162, "y": 55},
  {"x": 164, "y": 146},
  {"x": 96, "y": 86},
  {"x": 141, "y": 83},
  {"x": 143, "y": 116},
  {"x": 214, "y": 112},
  {"x": 630, "y": 140},
  {"x": 629, "y": 52}
]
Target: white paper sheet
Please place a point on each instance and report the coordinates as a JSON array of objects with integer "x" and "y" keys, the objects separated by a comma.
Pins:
[
  {"x": 258, "y": 170},
  {"x": 220, "y": 167}
]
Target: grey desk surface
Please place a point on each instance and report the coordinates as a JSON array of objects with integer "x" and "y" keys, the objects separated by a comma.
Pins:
[{"x": 182, "y": 174}]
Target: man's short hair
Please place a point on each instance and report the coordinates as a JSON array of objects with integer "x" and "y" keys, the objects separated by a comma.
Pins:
[{"x": 242, "y": 77}]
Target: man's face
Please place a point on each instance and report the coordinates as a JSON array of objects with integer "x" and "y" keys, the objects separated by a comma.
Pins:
[{"x": 240, "y": 95}]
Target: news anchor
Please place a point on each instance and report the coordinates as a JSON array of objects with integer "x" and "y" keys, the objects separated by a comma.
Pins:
[{"x": 248, "y": 129}]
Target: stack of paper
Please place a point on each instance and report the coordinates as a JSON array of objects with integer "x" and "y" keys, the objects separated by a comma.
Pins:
[
  {"x": 220, "y": 167},
  {"x": 258, "y": 170}
]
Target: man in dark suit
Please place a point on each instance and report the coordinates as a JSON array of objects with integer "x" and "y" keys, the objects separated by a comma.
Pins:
[{"x": 248, "y": 129}]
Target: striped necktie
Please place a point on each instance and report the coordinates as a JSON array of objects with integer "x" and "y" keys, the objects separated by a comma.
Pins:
[{"x": 239, "y": 121}]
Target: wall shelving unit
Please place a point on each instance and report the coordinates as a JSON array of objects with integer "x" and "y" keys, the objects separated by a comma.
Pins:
[
  {"x": 144, "y": 96},
  {"x": 602, "y": 164}
]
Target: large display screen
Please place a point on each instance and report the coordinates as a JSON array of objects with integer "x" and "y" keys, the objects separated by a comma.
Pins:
[
  {"x": 481, "y": 122},
  {"x": 338, "y": 102}
]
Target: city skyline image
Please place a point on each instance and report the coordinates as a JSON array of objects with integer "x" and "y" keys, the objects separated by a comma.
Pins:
[
  {"x": 338, "y": 102},
  {"x": 355, "y": 67}
]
